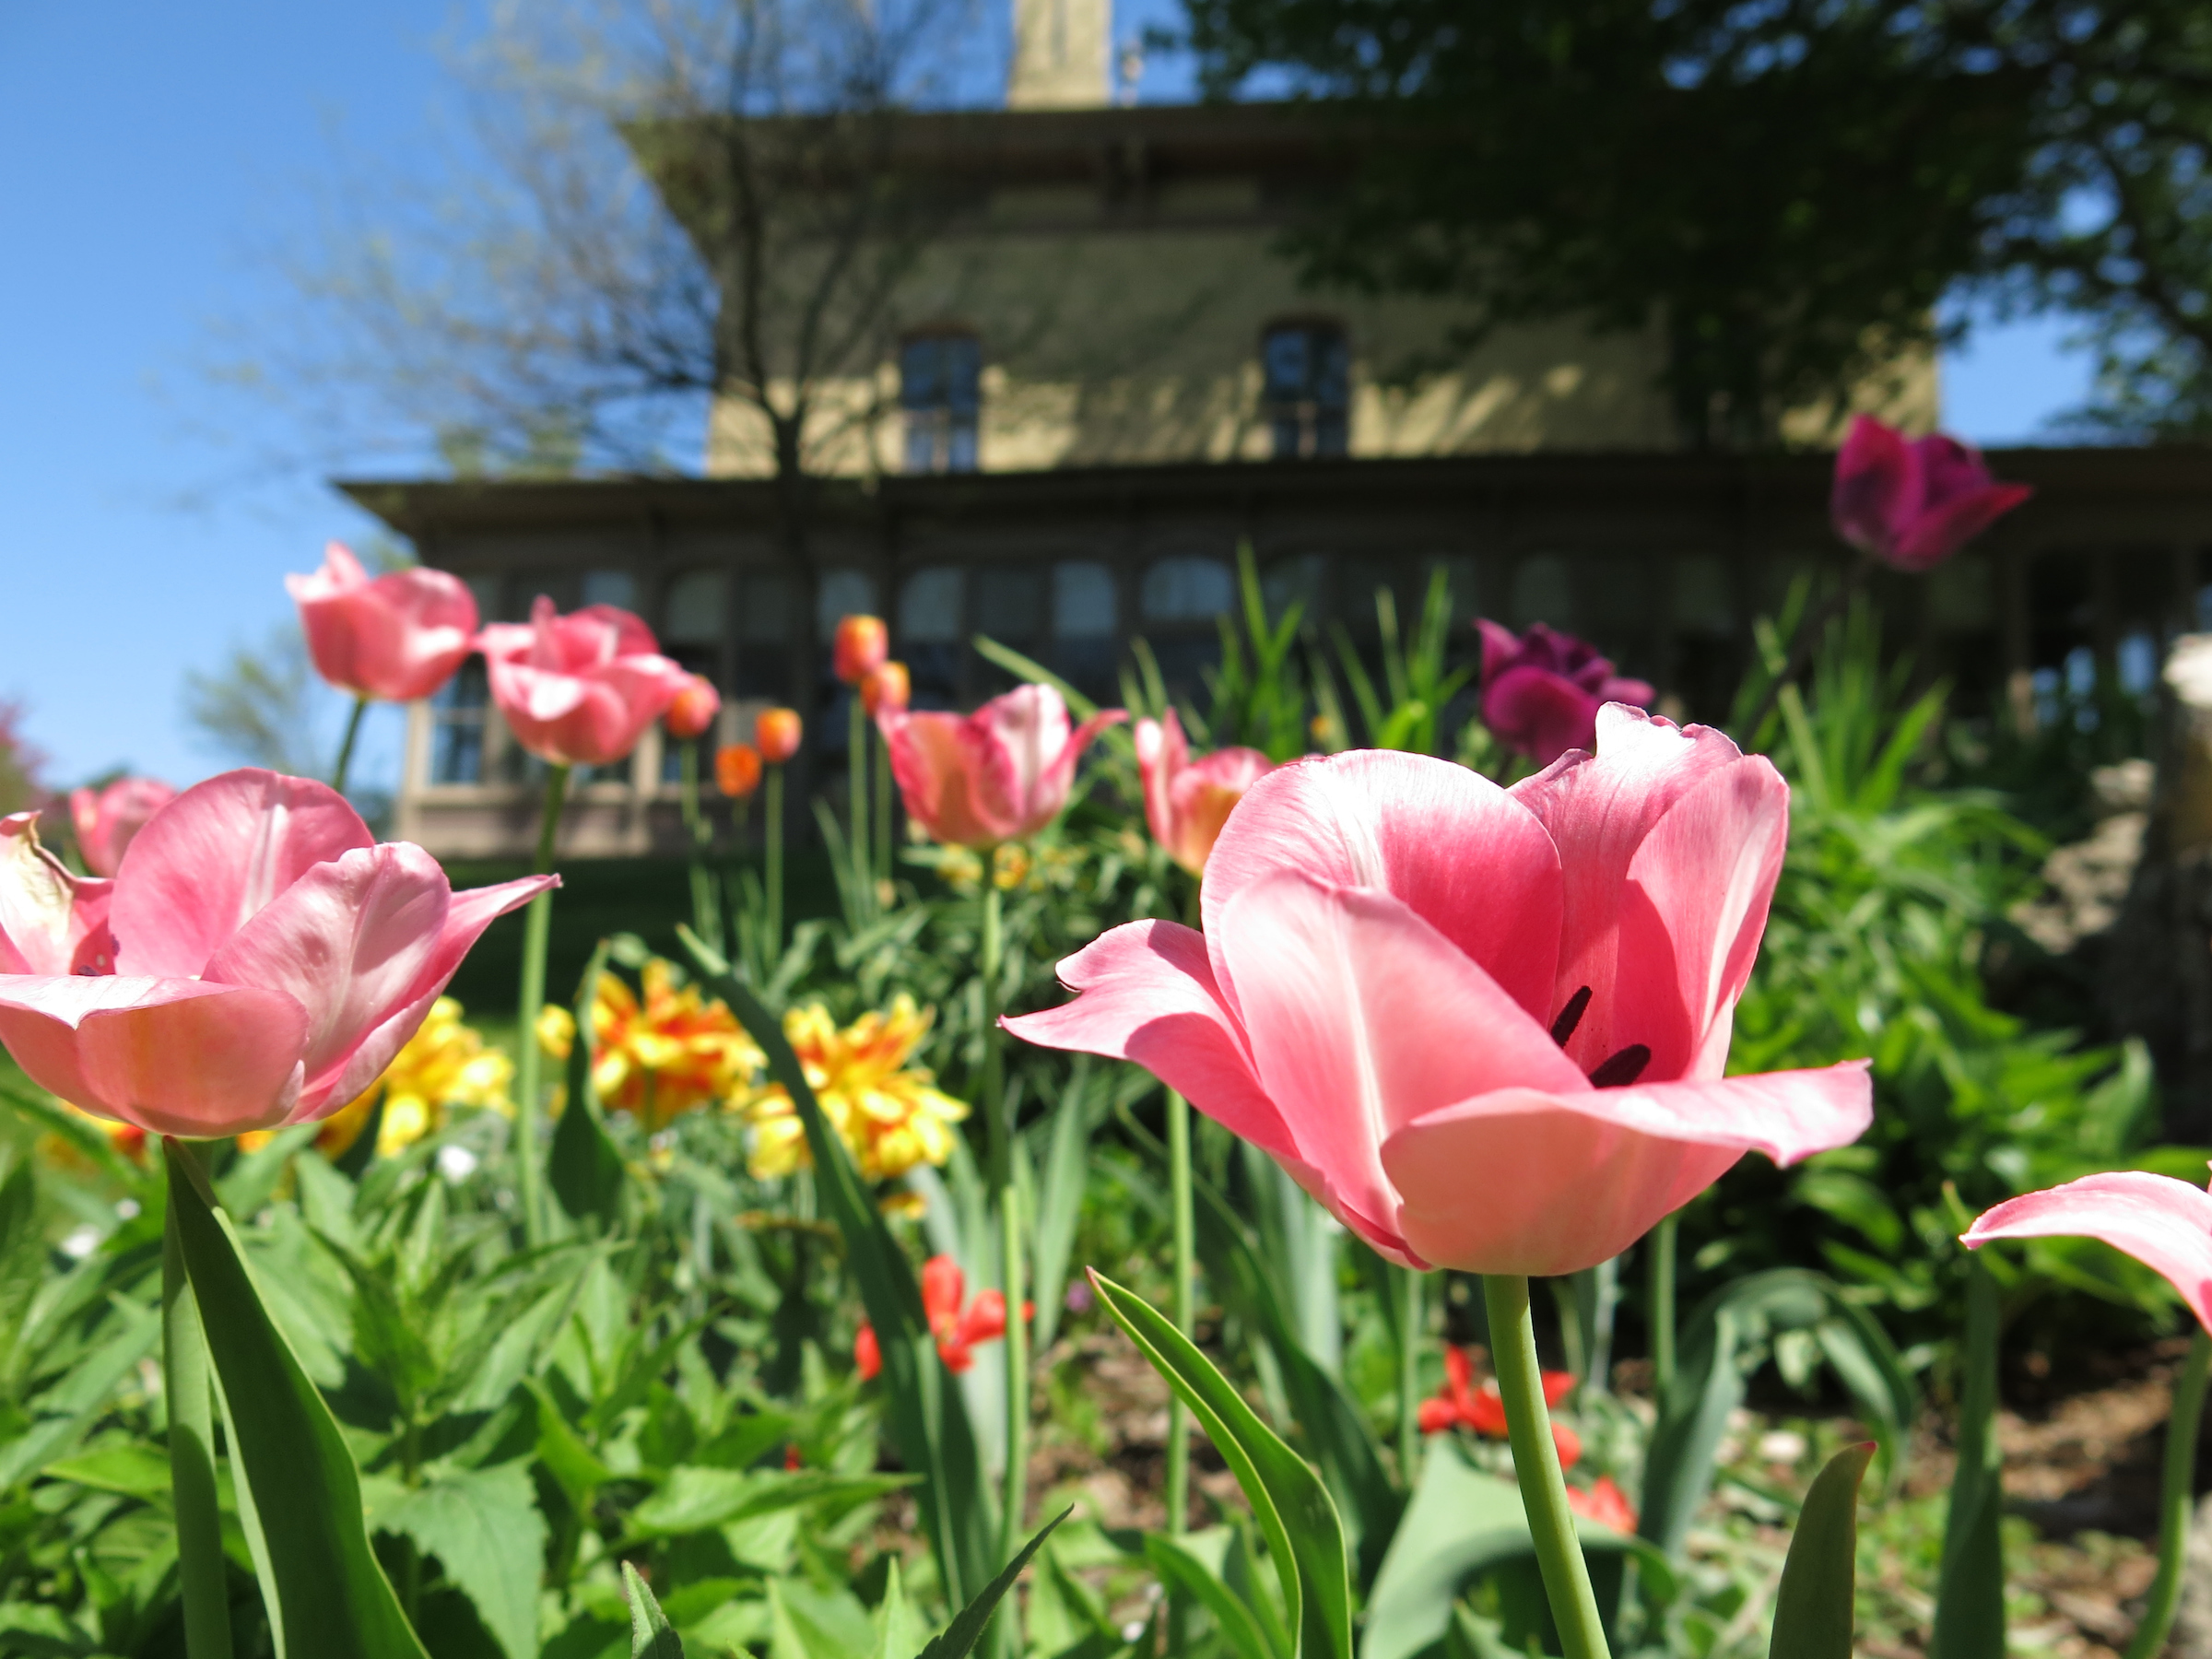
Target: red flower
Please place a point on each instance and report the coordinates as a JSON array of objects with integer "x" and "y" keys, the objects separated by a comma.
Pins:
[
  {"x": 959, "y": 1329},
  {"x": 1460, "y": 1404},
  {"x": 1914, "y": 504},
  {"x": 867, "y": 1354},
  {"x": 1541, "y": 692},
  {"x": 1604, "y": 1503}
]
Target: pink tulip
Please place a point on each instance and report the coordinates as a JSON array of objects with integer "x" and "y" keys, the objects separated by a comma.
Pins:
[
  {"x": 1186, "y": 803},
  {"x": 398, "y": 638},
  {"x": 1486, "y": 1027},
  {"x": 1913, "y": 505},
  {"x": 995, "y": 775},
  {"x": 106, "y": 819},
  {"x": 51, "y": 921},
  {"x": 269, "y": 957},
  {"x": 2163, "y": 1223},
  {"x": 1541, "y": 692},
  {"x": 579, "y": 689}
]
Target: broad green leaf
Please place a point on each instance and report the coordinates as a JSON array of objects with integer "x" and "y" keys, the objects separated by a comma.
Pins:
[
  {"x": 1813, "y": 1610},
  {"x": 927, "y": 1415},
  {"x": 962, "y": 1635},
  {"x": 1462, "y": 1521},
  {"x": 1179, "y": 1570},
  {"x": 60, "y": 1417},
  {"x": 899, "y": 1631},
  {"x": 130, "y": 1470},
  {"x": 1970, "y": 1588},
  {"x": 1060, "y": 1201},
  {"x": 252, "y": 1178},
  {"x": 484, "y": 1527},
  {"x": 328, "y": 1596},
  {"x": 805, "y": 1622},
  {"x": 696, "y": 1500},
  {"x": 585, "y": 1168},
  {"x": 650, "y": 1637},
  {"x": 1305, "y": 1537},
  {"x": 562, "y": 1451}
]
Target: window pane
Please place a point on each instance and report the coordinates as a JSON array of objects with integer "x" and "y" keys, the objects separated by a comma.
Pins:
[
  {"x": 693, "y": 613},
  {"x": 1009, "y": 603},
  {"x": 764, "y": 610},
  {"x": 1704, "y": 596},
  {"x": 1297, "y": 581},
  {"x": 1544, "y": 592},
  {"x": 457, "y": 734},
  {"x": 1285, "y": 357},
  {"x": 1186, "y": 589},
  {"x": 611, "y": 587},
  {"x": 843, "y": 594},
  {"x": 484, "y": 590},
  {"x": 929, "y": 607},
  {"x": 1084, "y": 601}
]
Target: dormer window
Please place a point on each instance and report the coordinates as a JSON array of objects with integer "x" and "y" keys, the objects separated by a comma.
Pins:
[
  {"x": 939, "y": 394},
  {"x": 1307, "y": 369}
]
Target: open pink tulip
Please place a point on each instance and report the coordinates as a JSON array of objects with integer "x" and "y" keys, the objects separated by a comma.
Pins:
[
  {"x": 995, "y": 775},
  {"x": 398, "y": 637},
  {"x": 107, "y": 818},
  {"x": 269, "y": 958},
  {"x": 1486, "y": 1027},
  {"x": 1914, "y": 504},
  {"x": 579, "y": 689},
  {"x": 1541, "y": 691},
  {"x": 2163, "y": 1223},
  {"x": 1187, "y": 802}
]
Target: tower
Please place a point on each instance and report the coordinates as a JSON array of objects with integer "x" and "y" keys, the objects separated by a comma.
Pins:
[{"x": 1063, "y": 52}]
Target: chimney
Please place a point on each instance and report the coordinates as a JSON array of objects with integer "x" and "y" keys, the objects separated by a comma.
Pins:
[{"x": 1062, "y": 55}]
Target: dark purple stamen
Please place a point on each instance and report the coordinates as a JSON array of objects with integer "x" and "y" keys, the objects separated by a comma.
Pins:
[
  {"x": 1570, "y": 1016},
  {"x": 1623, "y": 1068}
]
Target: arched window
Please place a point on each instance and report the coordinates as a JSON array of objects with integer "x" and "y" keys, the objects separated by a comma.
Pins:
[
  {"x": 941, "y": 395},
  {"x": 1307, "y": 372}
]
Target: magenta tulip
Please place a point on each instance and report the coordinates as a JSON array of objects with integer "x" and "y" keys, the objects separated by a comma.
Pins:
[
  {"x": 1914, "y": 504},
  {"x": 1541, "y": 691},
  {"x": 579, "y": 689},
  {"x": 1186, "y": 802},
  {"x": 398, "y": 637},
  {"x": 106, "y": 819},
  {"x": 2163, "y": 1223},
  {"x": 995, "y": 775},
  {"x": 1486, "y": 1027},
  {"x": 269, "y": 957},
  {"x": 51, "y": 921}
]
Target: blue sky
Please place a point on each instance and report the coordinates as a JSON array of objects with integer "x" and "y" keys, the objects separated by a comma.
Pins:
[{"x": 152, "y": 153}]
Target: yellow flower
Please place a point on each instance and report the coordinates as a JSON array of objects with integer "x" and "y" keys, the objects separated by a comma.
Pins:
[
  {"x": 667, "y": 1054},
  {"x": 1009, "y": 865},
  {"x": 444, "y": 1064},
  {"x": 889, "y": 1114}
]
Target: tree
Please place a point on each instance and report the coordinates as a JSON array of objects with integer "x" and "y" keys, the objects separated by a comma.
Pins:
[
  {"x": 259, "y": 708},
  {"x": 21, "y": 762},
  {"x": 1786, "y": 190}
]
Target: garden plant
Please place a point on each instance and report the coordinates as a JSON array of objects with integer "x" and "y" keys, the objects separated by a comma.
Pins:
[{"x": 1380, "y": 1045}]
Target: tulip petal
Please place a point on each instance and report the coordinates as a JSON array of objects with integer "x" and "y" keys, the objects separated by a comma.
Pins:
[
  {"x": 1691, "y": 917},
  {"x": 1362, "y": 1017},
  {"x": 174, "y": 1056},
  {"x": 1519, "y": 1181},
  {"x": 1542, "y": 714},
  {"x": 50, "y": 921},
  {"x": 1877, "y": 486},
  {"x": 1599, "y": 808},
  {"x": 348, "y": 941},
  {"x": 931, "y": 759},
  {"x": 213, "y": 856},
  {"x": 1461, "y": 852},
  {"x": 2163, "y": 1223},
  {"x": 1942, "y": 531},
  {"x": 1147, "y": 995}
]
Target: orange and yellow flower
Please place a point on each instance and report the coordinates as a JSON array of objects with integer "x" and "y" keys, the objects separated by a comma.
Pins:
[
  {"x": 445, "y": 1063},
  {"x": 658, "y": 1055},
  {"x": 891, "y": 1114}
]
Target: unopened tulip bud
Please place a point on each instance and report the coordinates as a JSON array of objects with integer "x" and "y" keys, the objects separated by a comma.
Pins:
[
  {"x": 886, "y": 688},
  {"x": 694, "y": 710},
  {"x": 737, "y": 769},
  {"x": 776, "y": 732},
  {"x": 861, "y": 645}
]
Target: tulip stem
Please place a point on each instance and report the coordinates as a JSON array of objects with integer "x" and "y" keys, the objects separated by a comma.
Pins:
[
  {"x": 1409, "y": 1374},
  {"x": 353, "y": 730},
  {"x": 772, "y": 859},
  {"x": 1002, "y": 1194},
  {"x": 200, "y": 1570},
  {"x": 1185, "y": 1313},
  {"x": 1536, "y": 1467},
  {"x": 856, "y": 764},
  {"x": 1660, "y": 1301},
  {"x": 2175, "y": 1500},
  {"x": 883, "y": 812},
  {"x": 537, "y": 932},
  {"x": 706, "y": 903}
]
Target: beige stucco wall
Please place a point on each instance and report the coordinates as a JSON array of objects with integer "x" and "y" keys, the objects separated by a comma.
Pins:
[{"x": 1134, "y": 343}]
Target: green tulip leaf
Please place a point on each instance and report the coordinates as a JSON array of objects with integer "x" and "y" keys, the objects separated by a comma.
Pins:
[{"x": 1813, "y": 1610}]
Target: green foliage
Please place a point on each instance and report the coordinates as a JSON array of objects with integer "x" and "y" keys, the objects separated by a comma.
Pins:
[{"x": 1814, "y": 1610}]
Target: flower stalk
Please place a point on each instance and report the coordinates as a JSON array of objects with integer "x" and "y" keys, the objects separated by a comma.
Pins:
[
  {"x": 1003, "y": 1196},
  {"x": 2176, "y": 1498},
  {"x": 538, "y": 929},
  {"x": 353, "y": 730},
  {"x": 1184, "y": 1307},
  {"x": 706, "y": 899},
  {"x": 771, "y": 862},
  {"x": 203, "y": 1576},
  {"x": 1660, "y": 1301},
  {"x": 1537, "y": 1466},
  {"x": 1409, "y": 1374},
  {"x": 856, "y": 765}
]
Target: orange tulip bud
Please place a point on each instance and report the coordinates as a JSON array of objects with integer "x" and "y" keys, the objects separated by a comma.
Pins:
[
  {"x": 737, "y": 769},
  {"x": 694, "y": 710},
  {"x": 777, "y": 733},
  {"x": 863, "y": 643},
  {"x": 886, "y": 688}
]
